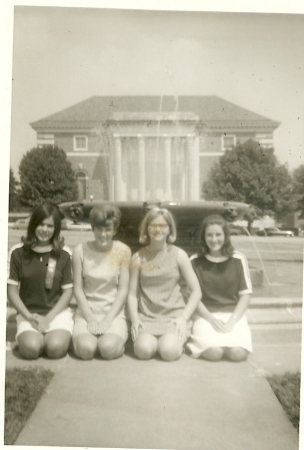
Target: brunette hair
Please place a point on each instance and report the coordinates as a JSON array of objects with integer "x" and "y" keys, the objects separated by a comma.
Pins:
[
  {"x": 40, "y": 213},
  {"x": 149, "y": 217},
  {"x": 216, "y": 219},
  {"x": 100, "y": 215}
]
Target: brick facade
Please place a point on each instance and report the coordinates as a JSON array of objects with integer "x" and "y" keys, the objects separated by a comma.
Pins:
[{"x": 138, "y": 148}]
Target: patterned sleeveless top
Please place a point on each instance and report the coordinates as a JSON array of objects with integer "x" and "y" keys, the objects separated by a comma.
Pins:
[{"x": 160, "y": 290}]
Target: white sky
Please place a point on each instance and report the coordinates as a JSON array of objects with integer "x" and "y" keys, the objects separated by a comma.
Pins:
[{"x": 65, "y": 55}]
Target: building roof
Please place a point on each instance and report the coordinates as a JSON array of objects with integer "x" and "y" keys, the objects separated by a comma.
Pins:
[{"x": 213, "y": 111}]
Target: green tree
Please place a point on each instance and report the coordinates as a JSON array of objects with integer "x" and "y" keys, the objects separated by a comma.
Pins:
[
  {"x": 251, "y": 174},
  {"x": 13, "y": 192},
  {"x": 298, "y": 189},
  {"x": 46, "y": 175}
]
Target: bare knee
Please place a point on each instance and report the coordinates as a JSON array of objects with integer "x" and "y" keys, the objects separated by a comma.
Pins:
[
  {"x": 236, "y": 354},
  {"x": 145, "y": 347},
  {"x": 111, "y": 347},
  {"x": 57, "y": 346},
  {"x": 30, "y": 347},
  {"x": 213, "y": 354},
  {"x": 85, "y": 346},
  {"x": 170, "y": 349}
]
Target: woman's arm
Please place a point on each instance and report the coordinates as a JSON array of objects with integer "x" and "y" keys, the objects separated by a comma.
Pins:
[
  {"x": 122, "y": 292},
  {"x": 239, "y": 311},
  {"x": 79, "y": 294},
  {"x": 217, "y": 324},
  {"x": 62, "y": 304},
  {"x": 193, "y": 286},
  {"x": 132, "y": 297},
  {"x": 245, "y": 291},
  {"x": 17, "y": 303},
  {"x": 204, "y": 312},
  {"x": 191, "y": 280}
]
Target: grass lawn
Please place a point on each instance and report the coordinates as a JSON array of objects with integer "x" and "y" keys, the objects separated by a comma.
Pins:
[
  {"x": 287, "y": 389},
  {"x": 23, "y": 389}
]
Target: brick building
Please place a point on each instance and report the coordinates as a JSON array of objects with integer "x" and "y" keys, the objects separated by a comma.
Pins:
[{"x": 149, "y": 147}]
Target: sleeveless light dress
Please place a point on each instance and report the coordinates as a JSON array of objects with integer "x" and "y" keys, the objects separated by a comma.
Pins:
[
  {"x": 161, "y": 291},
  {"x": 100, "y": 274}
]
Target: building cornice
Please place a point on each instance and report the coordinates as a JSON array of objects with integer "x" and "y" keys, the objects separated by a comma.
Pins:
[{"x": 94, "y": 127}]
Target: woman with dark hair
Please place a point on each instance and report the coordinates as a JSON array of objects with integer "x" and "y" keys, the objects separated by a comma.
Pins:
[
  {"x": 101, "y": 281},
  {"x": 159, "y": 310},
  {"x": 40, "y": 287},
  {"x": 220, "y": 326}
]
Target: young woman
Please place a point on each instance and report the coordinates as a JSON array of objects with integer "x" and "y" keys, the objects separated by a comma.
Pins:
[
  {"x": 40, "y": 287},
  {"x": 220, "y": 326},
  {"x": 159, "y": 312},
  {"x": 101, "y": 274}
]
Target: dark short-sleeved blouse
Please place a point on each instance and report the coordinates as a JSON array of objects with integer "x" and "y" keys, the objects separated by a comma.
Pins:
[
  {"x": 28, "y": 269},
  {"x": 222, "y": 280}
]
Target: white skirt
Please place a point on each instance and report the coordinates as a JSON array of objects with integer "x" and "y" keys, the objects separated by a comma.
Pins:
[{"x": 204, "y": 336}]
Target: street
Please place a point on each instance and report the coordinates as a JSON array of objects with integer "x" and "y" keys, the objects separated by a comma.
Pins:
[{"x": 290, "y": 249}]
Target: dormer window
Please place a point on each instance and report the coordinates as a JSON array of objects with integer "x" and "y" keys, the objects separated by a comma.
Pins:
[
  {"x": 228, "y": 142},
  {"x": 80, "y": 143}
]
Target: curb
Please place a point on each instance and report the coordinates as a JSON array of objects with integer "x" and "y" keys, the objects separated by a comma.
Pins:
[
  {"x": 275, "y": 311},
  {"x": 275, "y": 302}
]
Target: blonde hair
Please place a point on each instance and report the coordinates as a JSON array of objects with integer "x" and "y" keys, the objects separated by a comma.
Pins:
[{"x": 149, "y": 217}]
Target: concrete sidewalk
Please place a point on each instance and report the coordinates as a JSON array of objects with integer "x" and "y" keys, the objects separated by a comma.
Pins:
[{"x": 187, "y": 404}]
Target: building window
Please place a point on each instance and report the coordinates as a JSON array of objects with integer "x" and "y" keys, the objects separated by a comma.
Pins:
[
  {"x": 80, "y": 143},
  {"x": 264, "y": 139},
  {"x": 228, "y": 141},
  {"x": 44, "y": 139},
  {"x": 82, "y": 183}
]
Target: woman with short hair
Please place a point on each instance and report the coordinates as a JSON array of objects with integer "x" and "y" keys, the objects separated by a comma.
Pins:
[{"x": 101, "y": 274}]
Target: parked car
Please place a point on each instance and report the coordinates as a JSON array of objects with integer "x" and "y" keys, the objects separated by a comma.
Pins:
[
  {"x": 236, "y": 230},
  {"x": 21, "y": 224},
  {"x": 79, "y": 226},
  {"x": 274, "y": 231}
]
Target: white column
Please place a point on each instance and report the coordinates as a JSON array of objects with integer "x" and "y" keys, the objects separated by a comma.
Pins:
[
  {"x": 168, "y": 176},
  {"x": 193, "y": 168},
  {"x": 196, "y": 173},
  {"x": 117, "y": 170},
  {"x": 141, "y": 168}
]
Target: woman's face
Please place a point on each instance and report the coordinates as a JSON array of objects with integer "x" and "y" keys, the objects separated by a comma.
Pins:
[
  {"x": 215, "y": 239},
  {"x": 158, "y": 229},
  {"x": 45, "y": 231},
  {"x": 104, "y": 235}
]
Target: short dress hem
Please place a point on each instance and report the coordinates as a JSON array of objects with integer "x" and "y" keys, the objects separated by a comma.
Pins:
[
  {"x": 63, "y": 321},
  {"x": 118, "y": 326},
  {"x": 204, "y": 336},
  {"x": 161, "y": 291},
  {"x": 158, "y": 327}
]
